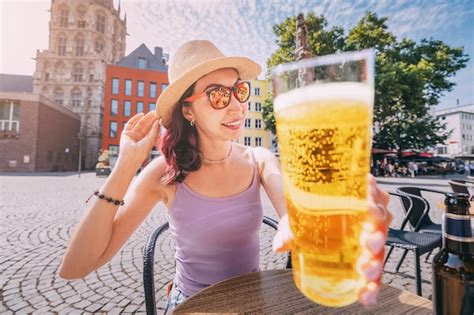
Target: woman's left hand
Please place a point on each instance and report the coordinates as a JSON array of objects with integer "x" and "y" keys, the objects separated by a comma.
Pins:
[{"x": 373, "y": 237}]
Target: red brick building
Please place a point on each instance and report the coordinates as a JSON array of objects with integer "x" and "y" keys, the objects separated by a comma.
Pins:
[
  {"x": 132, "y": 86},
  {"x": 36, "y": 134}
]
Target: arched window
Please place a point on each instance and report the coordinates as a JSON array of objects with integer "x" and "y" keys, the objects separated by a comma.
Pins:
[
  {"x": 80, "y": 45},
  {"x": 46, "y": 71},
  {"x": 100, "y": 22},
  {"x": 59, "y": 70},
  {"x": 99, "y": 45},
  {"x": 77, "y": 72},
  {"x": 91, "y": 71},
  {"x": 63, "y": 16},
  {"x": 89, "y": 97},
  {"x": 76, "y": 97},
  {"x": 62, "y": 45},
  {"x": 81, "y": 16},
  {"x": 59, "y": 96}
]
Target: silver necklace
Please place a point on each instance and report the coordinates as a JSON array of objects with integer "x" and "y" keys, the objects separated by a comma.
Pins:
[{"x": 218, "y": 161}]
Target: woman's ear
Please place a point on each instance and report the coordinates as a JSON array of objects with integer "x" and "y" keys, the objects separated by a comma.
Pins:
[{"x": 187, "y": 113}]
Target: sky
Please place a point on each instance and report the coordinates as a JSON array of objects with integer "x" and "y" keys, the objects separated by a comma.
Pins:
[{"x": 244, "y": 27}]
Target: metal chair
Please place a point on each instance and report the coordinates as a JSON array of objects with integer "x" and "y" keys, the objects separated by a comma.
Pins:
[
  {"x": 462, "y": 186},
  {"x": 149, "y": 260},
  {"x": 419, "y": 218},
  {"x": 419, "y": 243}
]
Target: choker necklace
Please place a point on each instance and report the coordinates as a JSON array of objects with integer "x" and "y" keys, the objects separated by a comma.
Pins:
[{"x": 218, "y": 161}]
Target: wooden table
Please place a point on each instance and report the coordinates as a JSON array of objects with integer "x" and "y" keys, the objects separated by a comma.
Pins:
[{"x": 273, "y": 292}]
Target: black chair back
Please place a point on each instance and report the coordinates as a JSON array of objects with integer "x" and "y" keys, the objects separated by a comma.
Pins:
[
  {"x": 418, "y": 216},
  {"x": 459, "y": 186}
]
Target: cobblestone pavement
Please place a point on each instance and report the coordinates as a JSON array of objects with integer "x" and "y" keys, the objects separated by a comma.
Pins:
[{"x": 37, "y": 216}]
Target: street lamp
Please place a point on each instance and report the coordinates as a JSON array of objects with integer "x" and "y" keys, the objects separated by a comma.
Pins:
[{"x": 81, "y": 137}]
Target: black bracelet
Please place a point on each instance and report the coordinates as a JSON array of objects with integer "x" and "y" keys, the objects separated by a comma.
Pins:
[{"x": 108, "y": 199}]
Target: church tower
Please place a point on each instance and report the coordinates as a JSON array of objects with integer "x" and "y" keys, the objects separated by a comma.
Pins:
[{"x": 84, "y": 36}]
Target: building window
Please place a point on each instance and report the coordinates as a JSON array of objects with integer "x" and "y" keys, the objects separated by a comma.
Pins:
[
  {"x": 258, "y": 123},
  {"x": 127, "y": 108},
  {"x": 62, "y": 44},
  {"x": 99, "y": 45},
  {"x": 80, "y": 46},
  {"x": 113, "y": 129},
  {"x": 46, "y": 77},
  {"x": 128, "y": 87},
  {"x": 78, "y": 70},
  {"x": 247, "y": 141},
  {"x": 63, "y": 17},
  {"x": 114, "y": 107},
  {"x": 151, "y": 107},
  {"x": 115, "y": 85},
  {"x": 59, "y": 96},
  {"x": 258, "y": 141},
  {"x": 50, "y": 156},
  {"x": 257, "y": 91},
  {"x": 250, "y": 107},
  {"x": 141, "y": 63},
  {"x": 100, "y": 23},
  {"x": 139, "y": 107},
  {"x": 77, "y": 98},
  {"x": 10, "y": 116},
  {"x": 163, "y": 86},
  {"x": 91, "y": 78},
  {"x": 113, "y": 150},
  {"x": 141, "y": 88},
  {"x": 152, "y": 89},
  {"x": 248, "y": 122},
  {"x": 258, "y": 107}
]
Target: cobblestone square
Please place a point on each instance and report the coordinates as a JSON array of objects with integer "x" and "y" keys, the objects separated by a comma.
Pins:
[{"x": 37, "y": 216}]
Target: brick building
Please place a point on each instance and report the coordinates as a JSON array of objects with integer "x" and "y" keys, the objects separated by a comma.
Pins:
[
  {"x": 132, "y": 86},
  {"x": 36, "y": 134}
]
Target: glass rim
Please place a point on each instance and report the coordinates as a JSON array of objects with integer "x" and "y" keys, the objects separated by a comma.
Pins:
[{"x": 325, "y": 60}]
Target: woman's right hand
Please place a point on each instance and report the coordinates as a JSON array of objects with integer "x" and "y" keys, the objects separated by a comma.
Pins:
[{"x": 140, "y": 134}]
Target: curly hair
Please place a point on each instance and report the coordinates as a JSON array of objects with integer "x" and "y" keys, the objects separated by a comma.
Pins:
[{"x": 180, "y": 145}]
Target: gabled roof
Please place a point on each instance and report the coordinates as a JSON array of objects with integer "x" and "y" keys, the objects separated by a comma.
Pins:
[{"x": 154, "y": 61}]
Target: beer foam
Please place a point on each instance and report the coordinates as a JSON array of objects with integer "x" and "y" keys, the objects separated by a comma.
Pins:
[{"x": 353, "y": 91}]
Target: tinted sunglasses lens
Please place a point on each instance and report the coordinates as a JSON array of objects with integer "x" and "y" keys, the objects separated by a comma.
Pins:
[
  {"x": 219, "y": 97},
  {"x": 242, "y": 92}
]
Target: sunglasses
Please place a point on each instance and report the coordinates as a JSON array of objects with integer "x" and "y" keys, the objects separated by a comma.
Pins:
[{"x": 219, "y": 97}]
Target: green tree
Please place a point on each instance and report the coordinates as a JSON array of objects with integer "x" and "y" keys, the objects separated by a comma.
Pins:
[{"x": 410, "y": 79}]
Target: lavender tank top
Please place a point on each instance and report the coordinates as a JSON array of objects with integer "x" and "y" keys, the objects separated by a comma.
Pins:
[{"x": 215, "y": 238}]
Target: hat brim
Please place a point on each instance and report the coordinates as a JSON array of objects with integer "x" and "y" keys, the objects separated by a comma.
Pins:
[{"x": 247, "y": 68}]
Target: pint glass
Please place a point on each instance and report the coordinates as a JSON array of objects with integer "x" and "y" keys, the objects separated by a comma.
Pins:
[{"x": 323, "y": 109}]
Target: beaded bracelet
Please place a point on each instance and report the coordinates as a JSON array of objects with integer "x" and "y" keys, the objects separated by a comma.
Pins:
[{"x": 108, "y": 199}]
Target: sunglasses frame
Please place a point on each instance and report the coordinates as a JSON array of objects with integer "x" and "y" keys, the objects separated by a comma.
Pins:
[{"x": 233, "y": 90}]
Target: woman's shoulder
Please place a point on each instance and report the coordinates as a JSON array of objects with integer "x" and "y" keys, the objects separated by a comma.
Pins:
[{"x": 153, "y": 172}]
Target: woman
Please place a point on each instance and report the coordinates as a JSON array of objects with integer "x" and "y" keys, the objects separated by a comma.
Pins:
[{"x": 210, "y": 185}]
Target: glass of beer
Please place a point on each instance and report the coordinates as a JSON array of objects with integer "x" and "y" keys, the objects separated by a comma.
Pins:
[{"x": 323, "y": 109}]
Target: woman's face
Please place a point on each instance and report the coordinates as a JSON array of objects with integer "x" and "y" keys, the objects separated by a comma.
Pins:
[{"x": 217, "y": 124}]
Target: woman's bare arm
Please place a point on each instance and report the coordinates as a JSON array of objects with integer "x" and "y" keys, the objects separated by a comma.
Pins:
[
  {"x": 106, "y": 227},
  {"x": 272, "y": 179}
]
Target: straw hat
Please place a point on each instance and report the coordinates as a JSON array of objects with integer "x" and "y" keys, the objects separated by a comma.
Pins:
[{"x": 193, "y": 60}]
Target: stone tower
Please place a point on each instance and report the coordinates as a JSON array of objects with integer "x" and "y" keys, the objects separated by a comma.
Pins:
[{"x": 84, "y": 36}]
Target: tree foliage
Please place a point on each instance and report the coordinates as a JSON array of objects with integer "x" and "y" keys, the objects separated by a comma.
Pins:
[{"x": 410, "y": 77}]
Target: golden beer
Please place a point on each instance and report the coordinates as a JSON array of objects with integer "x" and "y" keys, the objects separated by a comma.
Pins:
[{"x": 324, "y": 134}]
